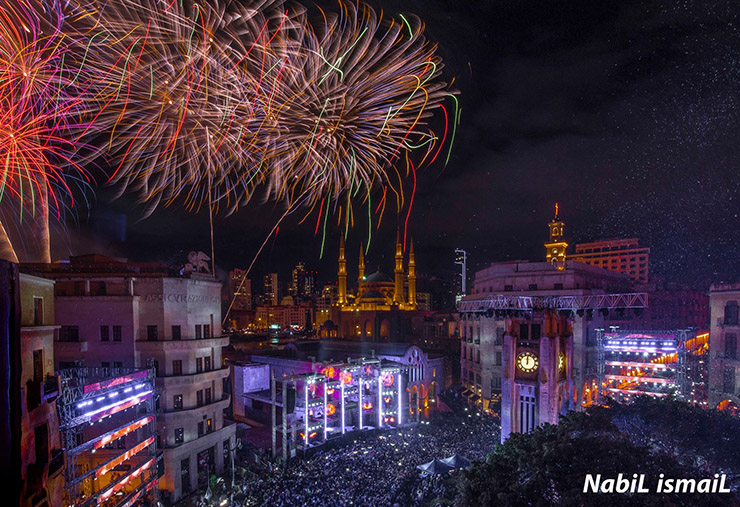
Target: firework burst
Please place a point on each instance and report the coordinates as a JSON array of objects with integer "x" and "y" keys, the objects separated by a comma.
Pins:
[
  {"x": 174, "y": 110},
  {"x": 350, "y": 110},
  {"x": 37, "y": 102}
]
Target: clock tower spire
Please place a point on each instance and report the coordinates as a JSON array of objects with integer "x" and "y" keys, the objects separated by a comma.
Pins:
[{"x": 555, "y": 248}]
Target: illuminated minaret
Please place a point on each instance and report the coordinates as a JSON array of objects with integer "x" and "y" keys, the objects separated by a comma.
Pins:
[
  {"x": 398, "y": 272},
  {"x": 412, "y": 277},
  {"x": 342, "y": 299},
  {"x": 555, "y": 248},
  {"x": 360, "y": 272}
]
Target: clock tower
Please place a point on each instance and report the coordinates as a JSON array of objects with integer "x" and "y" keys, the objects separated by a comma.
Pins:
[
  {"x": 537, "y": 385},
  {"x": 555, "y": 248}
]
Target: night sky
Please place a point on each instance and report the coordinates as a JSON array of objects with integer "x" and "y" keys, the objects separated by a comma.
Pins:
[{"x": 626, "y": 113}]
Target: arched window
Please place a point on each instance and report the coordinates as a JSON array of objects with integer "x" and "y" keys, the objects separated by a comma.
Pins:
[{"x": 385, "y": 330}]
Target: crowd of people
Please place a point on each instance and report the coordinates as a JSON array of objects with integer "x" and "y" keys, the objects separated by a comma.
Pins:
[{"x": 376, "y": 469}]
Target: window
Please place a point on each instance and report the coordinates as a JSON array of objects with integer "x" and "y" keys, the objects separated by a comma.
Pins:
[
  {"x": 177, "y": 366},
  {"x": 532, "y": 286},
  {"x": 69, "y": 334},
  {"x": 198, "y": 332},
  {"x": 177, "y": 401},
  {"x": 728, "y": 380},
  {"x": 104, "y": 333},
  {"x": 731, "y": 346},
  {"x": 105, "y": 364},
  {"x": 209, "y": 426},
  {"x": 208, "y": 395},
  {"x": 207, "y": 361},
  {"x": 38, "y": 311},
  {"x": 527, "y": 403},
  {"x": 41, "y": 443},
  {"x": 200, "y": 429},
  {"x": 199, "y": 365},
  {"x": 508, "y": 288},
  {"x": 152, "y": 333},
  {"x": 498, "y": 358},
  {"x": 185, "y": 475},
  {"x": 558, "y": 286},
  {"x": 38, "y": 365},
  {"x": 199, "y": 398},
  {"x": 731, "y": 313},
  {"x": 206, "y": 331},
  {"x": 156, "y": 368},
  {"x": 176, "y": 333},
  {"x": 179, "y": 436},
  {"x": 117, "y": 364},
  {"x": 524, "y": 332},
  {"x": 116, "y": 333},
  {"x": 536, "y": 331}
]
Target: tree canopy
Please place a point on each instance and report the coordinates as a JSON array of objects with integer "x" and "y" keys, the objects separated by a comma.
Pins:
[{"x": 549, "y": 465}]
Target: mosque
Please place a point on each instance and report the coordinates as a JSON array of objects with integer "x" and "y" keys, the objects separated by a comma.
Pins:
[{"x": 383, "y": 308}]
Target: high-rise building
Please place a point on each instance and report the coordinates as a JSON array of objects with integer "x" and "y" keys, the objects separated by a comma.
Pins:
[
  {"x": 272, "y": 293},
  {"x": 115, "y": 314},
  {"x": 621, "y": 255},
  {"x": 297, "y": 280},
  {"x": 302, "y": 284},
  {"x": 240, "y": 289},
  {"x": 724, "y": 362}
]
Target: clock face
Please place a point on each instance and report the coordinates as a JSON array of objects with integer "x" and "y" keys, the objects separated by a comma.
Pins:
[
  {"x": 561, "y": 362},
  {"x": 527, "y": 362}
]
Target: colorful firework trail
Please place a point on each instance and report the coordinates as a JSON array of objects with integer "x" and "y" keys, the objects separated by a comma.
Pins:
[
  {"x": 205, "y": 102},
  {"x": 352, "y": 103},
  {"x": 37, "y": 104},
  {"x": 349, "y": 111},
  {"x": 173, "y": 108}
]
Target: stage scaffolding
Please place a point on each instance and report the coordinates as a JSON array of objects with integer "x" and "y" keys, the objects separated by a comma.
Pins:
[
  {"x": 341, "y": 398},
  {"x": 108, "y": 426},
  {"x": 653, "y": 363},
  {"x": 579, "y": 303}
]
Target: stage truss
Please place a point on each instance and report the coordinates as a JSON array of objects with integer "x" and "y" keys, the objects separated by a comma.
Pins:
[{"x": 98, "y": 409}]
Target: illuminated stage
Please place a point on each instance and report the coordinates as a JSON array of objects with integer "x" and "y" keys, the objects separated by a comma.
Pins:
[
  {"x": 652, "y": 363},
  {"x": 357, "y": 395},
  {"x": 108, "y": 424}
]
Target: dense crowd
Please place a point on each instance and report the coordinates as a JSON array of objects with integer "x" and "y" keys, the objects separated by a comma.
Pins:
[{"x": 377, "y": 469}]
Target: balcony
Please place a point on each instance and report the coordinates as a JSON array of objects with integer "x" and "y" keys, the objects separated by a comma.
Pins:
[
  {"x": 70, "y": 347},
  {"x": 185, "y": 379},
  {"x": 39, "y": 391}
]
